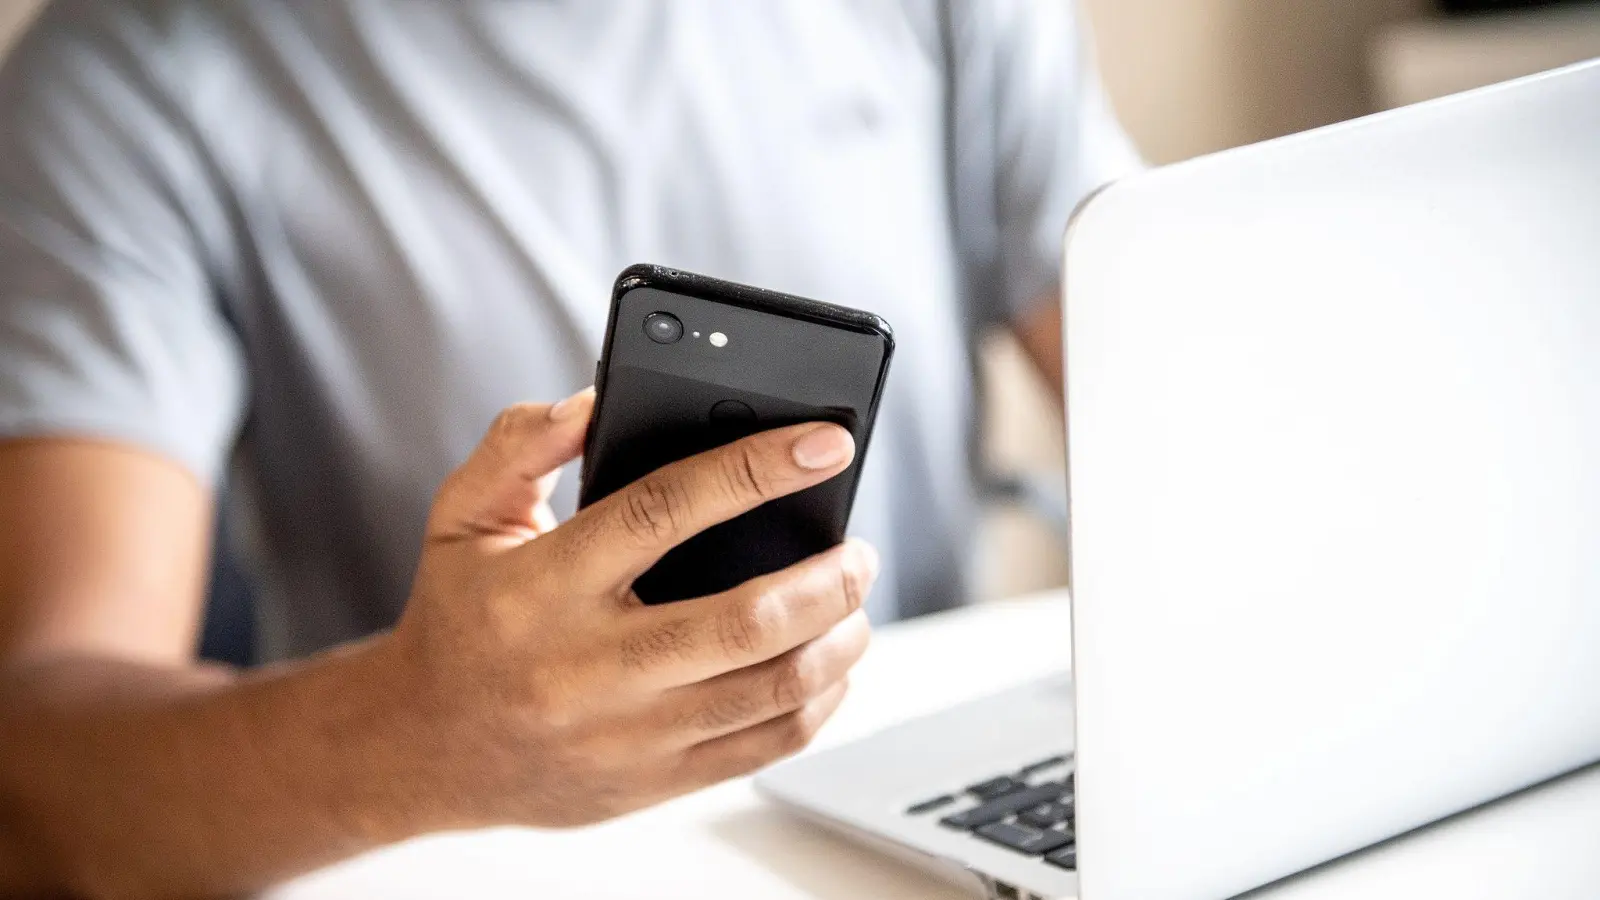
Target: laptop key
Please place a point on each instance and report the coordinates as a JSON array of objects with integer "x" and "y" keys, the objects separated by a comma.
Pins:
[
  {"x": 928, "y": 806},
  {"x": 1024, "y": 840},
  {"x": 995, "y": 787},
  {"x": 1041, "y": 765},
  {"x": 1002, "y": 807},
  {"x": 1066, "y": 858},
  {"x": 1046, "y": 814}
]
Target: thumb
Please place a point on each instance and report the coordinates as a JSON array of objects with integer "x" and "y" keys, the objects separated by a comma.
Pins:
[{"x": 502, "y": 488}]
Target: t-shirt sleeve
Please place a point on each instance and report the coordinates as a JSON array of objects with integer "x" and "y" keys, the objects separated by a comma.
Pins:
[
  {"x": 110, "y": 319},
  {"x": 1055, "y": 140}
]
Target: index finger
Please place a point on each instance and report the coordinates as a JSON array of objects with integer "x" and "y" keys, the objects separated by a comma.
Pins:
[
  {"x": 622, "y": 536},
  {"x": 676, "y": 644}
]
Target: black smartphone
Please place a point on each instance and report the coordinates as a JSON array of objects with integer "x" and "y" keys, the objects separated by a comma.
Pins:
[{"x": 691, "y": 363}]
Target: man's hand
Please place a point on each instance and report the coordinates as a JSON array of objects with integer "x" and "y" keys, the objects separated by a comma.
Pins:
[
  {"x": 557, "y": 698},
  {"x": 523, "y": 684}
]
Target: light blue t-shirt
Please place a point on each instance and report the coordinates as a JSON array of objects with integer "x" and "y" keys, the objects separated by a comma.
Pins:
[{"x": 312, "y": 246}]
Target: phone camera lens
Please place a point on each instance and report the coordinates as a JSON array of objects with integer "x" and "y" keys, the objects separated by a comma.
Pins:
[{"x": 663, "y": 328}]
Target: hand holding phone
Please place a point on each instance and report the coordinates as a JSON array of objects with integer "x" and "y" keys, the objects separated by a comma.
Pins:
[
  {"x": 691, "y": 363},
  {"x": 562, "y": 700}
]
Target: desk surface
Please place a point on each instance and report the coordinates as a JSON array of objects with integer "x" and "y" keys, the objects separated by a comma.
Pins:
[{"x": 725, "y": 842}]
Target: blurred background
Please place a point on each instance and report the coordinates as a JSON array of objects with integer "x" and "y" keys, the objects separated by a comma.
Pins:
[{"x": 1194, "y": 76}]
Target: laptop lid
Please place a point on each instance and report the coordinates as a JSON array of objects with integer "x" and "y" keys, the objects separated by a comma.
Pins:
[{"x": 1334, "y": 428}]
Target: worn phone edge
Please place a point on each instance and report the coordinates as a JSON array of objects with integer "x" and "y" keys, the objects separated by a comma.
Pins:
[{"x": 705, "y": 287}]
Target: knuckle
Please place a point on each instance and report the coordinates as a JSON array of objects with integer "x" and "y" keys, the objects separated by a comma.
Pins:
[
  {"x": 796, "y": 733},
  {"x": 512, "y": 423},
  {"x": 728, "y": 710},
  {"x": 600, "y": 750},
  {"x": 653, "y": 646},
  {"x": 548, "y": 706},
  {"x": 853, "y": 587},
  {"x": 653, "y": 509},
  {"x": 794, "y": 680},
  {"x": 743, "y": 475},
  {"x": 742, "y": 627}
]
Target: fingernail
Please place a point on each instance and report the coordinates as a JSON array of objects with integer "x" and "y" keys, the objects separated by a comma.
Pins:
[
  {"x": 570, "y": 407},
  {"x": 823, "y": 447}
]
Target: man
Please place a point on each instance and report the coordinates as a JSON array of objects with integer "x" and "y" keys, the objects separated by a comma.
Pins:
[{"x": 320, "y": 245}]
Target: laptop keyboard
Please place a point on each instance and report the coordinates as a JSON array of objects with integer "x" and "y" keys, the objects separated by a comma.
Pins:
[{"x": 1029, "y": 811}]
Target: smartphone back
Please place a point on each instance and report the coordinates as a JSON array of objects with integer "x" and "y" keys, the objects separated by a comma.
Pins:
[{"x": 784, "y": 360}]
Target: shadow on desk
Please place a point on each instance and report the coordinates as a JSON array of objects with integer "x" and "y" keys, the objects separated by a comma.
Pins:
[{"x": 790, "y": 848}]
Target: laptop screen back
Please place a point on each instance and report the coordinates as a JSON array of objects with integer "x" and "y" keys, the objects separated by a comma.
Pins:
[{"x": 1334, "y": 429}]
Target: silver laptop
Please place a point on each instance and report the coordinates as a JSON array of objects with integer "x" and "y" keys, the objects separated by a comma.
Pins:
[{"x": 1334, "y": 427}]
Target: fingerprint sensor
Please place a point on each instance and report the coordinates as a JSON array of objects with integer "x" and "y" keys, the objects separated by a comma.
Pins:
[{"x": 732, "y": 411}]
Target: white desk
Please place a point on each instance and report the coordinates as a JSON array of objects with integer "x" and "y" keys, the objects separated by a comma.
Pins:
[{"x": 725, "y": 842}]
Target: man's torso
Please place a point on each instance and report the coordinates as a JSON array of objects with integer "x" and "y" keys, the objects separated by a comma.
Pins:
[{"x": 430, "y": 201}]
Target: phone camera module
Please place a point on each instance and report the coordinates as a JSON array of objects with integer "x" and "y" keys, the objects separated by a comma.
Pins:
[{"x": 663, "y": 328}]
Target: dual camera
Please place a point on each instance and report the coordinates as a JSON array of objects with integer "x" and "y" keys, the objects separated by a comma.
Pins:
[{"x": 666, "y": 328}]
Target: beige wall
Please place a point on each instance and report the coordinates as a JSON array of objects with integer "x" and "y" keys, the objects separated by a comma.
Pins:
[
  {"x": 1420, "y": 60},
  {"x": 1191, "y": 76}
]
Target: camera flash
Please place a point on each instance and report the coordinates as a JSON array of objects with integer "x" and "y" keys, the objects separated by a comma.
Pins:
[{"x": 718, "y": 339}]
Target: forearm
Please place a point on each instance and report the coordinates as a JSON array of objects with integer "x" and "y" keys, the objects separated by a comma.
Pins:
[{"x": 127, "y": 780}]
